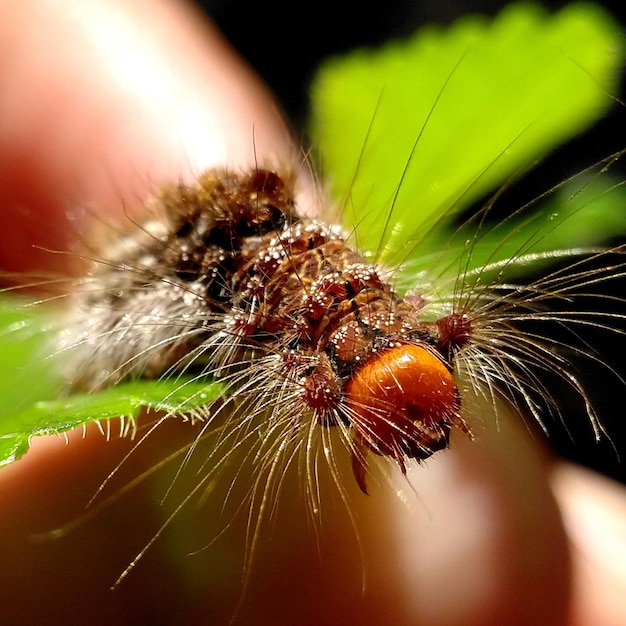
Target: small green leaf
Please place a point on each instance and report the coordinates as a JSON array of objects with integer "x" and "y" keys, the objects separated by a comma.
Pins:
[
  {"x": 31, "y": 396},
  {"x": 577, "y": 217},
  {"x": 423, "y": 126},
  {"x": 26, "y": 374},
  {"x": 581, "y": 214}
]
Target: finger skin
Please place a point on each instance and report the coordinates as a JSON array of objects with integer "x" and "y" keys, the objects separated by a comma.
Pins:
[
  {"x": 488, "y": 546},
  {"x": 141, "y": 92},
  {"x": 100, "y": 100},
  {"x": 594, "y": 510}
]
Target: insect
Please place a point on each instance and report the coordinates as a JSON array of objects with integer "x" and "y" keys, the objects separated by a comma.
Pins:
[{"x": 230, "y": 282}]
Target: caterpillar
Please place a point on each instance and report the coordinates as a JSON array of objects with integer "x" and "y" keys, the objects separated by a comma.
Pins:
[
  {"x": 231, "y": 282},
  {"x": 228, "y": 281}
]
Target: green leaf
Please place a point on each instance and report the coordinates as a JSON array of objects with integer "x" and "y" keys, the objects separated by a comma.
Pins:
[
  {"x": 423, "y": 126},
  {"x": 26, "y": 374},
  {"x": 576, "y": 218},
  {"x": 580, "y": 215},
  {"x": 31, "y": 396}
]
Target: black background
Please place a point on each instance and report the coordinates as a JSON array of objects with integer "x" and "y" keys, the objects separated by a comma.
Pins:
[{"x": 285, "y": 42}]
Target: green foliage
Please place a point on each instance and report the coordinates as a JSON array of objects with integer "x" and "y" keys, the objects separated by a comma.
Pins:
[
  {"x": 32, "y": 401},
  {"x": 427, "y": 126}
]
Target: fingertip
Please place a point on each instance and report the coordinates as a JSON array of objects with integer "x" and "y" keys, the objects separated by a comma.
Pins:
[
  {"x": 101, "y": 102},
  {"x": 594, "y": 513},
  {"x": 486, "y": 544}
]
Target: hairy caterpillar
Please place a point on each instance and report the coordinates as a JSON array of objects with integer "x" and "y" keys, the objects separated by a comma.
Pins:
[
  {"x": 230, "y": 282},
  {"x": 227, "y": 281}
]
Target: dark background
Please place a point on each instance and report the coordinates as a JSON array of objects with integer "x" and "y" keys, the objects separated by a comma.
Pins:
[{"x": 285, "y": 42}]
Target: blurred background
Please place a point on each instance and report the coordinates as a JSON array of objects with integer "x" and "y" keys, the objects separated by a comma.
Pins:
[{"x": 285, "y": 42}]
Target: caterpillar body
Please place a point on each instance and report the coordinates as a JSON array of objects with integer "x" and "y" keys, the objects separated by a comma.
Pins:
[
  {"x": 227, "y": 281},
  {"x": 233, "y": 283}
]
